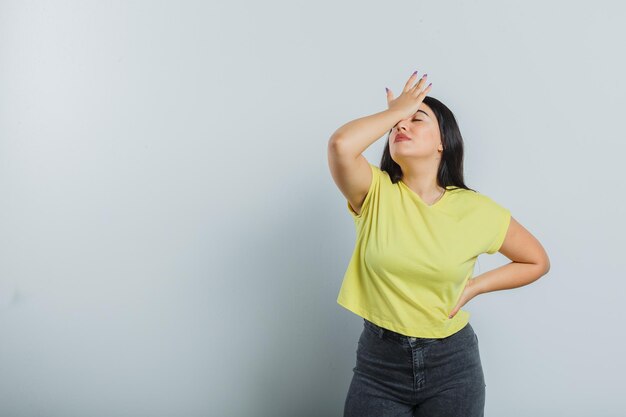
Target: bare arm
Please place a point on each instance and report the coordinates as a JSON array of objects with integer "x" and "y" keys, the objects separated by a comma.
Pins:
[
  {"x": 356, "y": 136},
  {"x": 529, "y": 262},
  {"x": 349, "y": 168}
]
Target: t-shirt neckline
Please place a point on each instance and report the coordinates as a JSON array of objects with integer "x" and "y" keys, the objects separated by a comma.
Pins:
[{"x": 417, "y": 196}]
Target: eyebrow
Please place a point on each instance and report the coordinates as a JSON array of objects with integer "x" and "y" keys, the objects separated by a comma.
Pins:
[{"x": 422, "y": 112}]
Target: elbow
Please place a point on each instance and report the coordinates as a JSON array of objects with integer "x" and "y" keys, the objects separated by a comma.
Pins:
[
  {"x": 333, "y": 144},
  {"x": 337, "y": 146},
  {"x": 336, "y": 140},
  {"x": 543, "y": 262},
  {"x": 544, "y": 265}
]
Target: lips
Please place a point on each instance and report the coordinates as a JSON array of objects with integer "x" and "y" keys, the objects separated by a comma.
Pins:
[{"x": 401, "y": 137}]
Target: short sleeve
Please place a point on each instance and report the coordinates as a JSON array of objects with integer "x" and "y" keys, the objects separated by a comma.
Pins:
[
  {"x": 496, "y": 220},
  {"x": 374, "y": 187}
]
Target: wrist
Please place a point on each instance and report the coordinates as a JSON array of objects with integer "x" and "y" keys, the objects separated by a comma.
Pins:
[
  {"x": 397, "y": 115},
  {"x": 475, "y": 286}
]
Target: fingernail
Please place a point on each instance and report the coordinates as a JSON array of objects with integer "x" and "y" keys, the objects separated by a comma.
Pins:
[
  {"x": 386, "y": 89},
  {"x": 415, "y": 72}
]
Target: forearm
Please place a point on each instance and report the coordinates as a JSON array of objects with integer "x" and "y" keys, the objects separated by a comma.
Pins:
[
  {"x": 357, "y": 135},
  {"x": 511, "y": 275}
]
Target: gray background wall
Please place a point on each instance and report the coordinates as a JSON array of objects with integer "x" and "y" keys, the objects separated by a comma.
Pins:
[{"x": 172, "y": 242}]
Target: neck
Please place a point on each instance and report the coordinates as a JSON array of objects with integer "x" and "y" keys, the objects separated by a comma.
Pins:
[{"x": 422, "y": 180}]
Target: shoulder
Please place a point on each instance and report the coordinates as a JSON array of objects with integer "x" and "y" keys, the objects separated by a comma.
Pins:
[
  {"x": 376, "y": 170},
  {"x": 462, "y": 194},
  {"x": 471, "y": 200},
  {"x": 471, "y": 196},
  {"x": 490, "y": 206},
  {"x": 379, "y": 176}
]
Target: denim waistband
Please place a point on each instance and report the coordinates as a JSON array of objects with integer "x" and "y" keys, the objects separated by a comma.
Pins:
[{"x": 390, "y": 334}]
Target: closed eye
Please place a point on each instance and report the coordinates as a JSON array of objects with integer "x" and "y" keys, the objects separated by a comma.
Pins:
[{"x": 417, "y": 120}]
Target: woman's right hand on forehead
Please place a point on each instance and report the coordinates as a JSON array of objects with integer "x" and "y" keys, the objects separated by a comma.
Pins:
[{"x": 412, "y": 96}]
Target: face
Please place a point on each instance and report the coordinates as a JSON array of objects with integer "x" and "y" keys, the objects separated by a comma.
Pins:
[{"x": 424, "y": 139}]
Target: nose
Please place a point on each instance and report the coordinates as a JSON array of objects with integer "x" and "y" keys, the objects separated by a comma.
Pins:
[{"x": 401, "y": 124}]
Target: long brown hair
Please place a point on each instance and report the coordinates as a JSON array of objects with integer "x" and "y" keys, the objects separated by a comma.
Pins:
[{"x": 450, "y": 172}]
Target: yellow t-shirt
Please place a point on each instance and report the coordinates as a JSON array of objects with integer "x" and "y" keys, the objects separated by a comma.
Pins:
[{"x": 411, "y": 261}]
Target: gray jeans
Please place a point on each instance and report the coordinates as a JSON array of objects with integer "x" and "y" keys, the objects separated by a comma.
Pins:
[{"x": 401, "y": 376}]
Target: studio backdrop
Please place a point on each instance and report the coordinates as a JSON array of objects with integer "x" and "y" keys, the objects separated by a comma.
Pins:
[{"x": 172, "y": 242}]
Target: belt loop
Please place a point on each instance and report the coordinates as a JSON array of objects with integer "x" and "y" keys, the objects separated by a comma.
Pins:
[{"x": 380, "y": 332}]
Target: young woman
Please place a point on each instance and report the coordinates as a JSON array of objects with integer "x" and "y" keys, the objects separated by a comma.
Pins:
[{"x": 419, "y": 232}]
